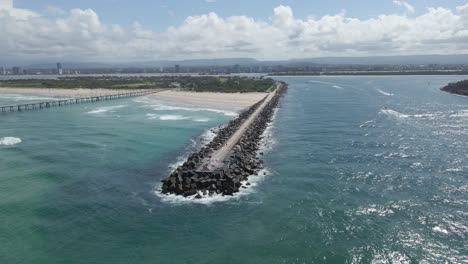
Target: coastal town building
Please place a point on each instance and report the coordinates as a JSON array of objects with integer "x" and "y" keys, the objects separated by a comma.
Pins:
[
  {"x": 17, "y": 70},
  {"x": 59, "y": 68}
]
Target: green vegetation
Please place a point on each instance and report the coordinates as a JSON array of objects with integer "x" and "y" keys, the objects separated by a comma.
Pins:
[
  {"x": 191, "y": 83},
  {"x": 225, "y": 84},
  {"x": 460, "y": 88}
]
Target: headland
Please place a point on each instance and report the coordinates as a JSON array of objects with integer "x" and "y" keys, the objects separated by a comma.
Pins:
[{"x": 460, "y": 88}]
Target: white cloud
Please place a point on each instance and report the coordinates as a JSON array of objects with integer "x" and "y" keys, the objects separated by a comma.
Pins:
[
  {"x": 409, "y": 8},
  {"x": 81, "y": 35},
  {"x": 6, "y": 4}
]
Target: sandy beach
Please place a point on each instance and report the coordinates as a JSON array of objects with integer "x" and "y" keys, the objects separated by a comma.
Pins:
[
  {"x": 229, "y": 101},
  {"x": 61, "y": 92},
  {"x": 224, "y": 101}
]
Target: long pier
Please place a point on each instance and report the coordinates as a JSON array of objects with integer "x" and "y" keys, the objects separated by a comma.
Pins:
[{"x": 62, "y": 102}]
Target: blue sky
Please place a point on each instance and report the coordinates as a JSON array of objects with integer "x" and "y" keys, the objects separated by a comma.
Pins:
[
  {"x": 105, "y": 30},
  {"x": 160, "y": 14}
]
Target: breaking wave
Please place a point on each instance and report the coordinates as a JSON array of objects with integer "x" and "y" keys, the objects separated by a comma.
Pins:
[
  {"x": 201, "y": 120},
  {"x": 398, "y": 115},
  {"x": 190, "y": 109},
  {"x": 152, "y": 116},
  {"x": 105, "y": 109},
  {"x": 196, "y": 145},
  {"x": 248, "y": 187},
  {"x": 172, "y": 117},
  {"x": 10, "y": 141},
  {"x": 384, "y": 93},
  {"x": 393, "y": 113},
  {"x": 160, "y": 106}
]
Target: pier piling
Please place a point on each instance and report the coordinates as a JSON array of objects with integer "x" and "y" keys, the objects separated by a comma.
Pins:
[{"x": 62, "y": 102}]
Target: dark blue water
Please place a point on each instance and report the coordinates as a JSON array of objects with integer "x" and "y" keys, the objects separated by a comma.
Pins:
[{"x": 361, "y": 170}]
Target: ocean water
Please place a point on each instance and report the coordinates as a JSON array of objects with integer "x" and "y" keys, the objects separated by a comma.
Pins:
[{"x": 359, "y": 170}]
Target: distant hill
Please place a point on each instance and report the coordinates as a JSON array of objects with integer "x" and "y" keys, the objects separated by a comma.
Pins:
[
  {"x": 371, "y": 60},
  {"x": 379, "y": 60}
]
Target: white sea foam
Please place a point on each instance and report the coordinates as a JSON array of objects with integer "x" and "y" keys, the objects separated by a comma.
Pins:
[
  {"x": 105, "y": 109},
  {"x": 384, "y": 93},
  {"x": 152, "y": 116},
  {"x": 393, "y": 113},
  {"x": 245, "y": 189},
  {"x": 201, "y": 120},
  {"x": 172, "y": 117},
  {"x": 158, "y": 105},
  {"x": 367, "y": 124},
  {"x": 454, "y": 169},
  {"x": 10, "y": 141},
  {"x": 397, "y": 115},
  {"x": 338, "y": 87},
  {"x": 196, "y": 145},
  {"x": 268, "y": 141},
  {"x": 266, "y": 144},
  {"x": 192, "y": 109},
  {"x": 375, "y": 209},
  {"x": 461, "y": 113},
  {"x": 439, "y": 229}
]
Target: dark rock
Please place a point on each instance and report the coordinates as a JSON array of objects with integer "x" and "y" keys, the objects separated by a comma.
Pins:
[{"x": 241, "y": 163}]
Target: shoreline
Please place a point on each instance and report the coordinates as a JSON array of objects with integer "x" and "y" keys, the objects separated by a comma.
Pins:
[
  {"x": 214, "y": 100},
  {"x": 222, "y": 101},
  {"x": 377, "y": 74},
  {"x": 82, "y": 92}
]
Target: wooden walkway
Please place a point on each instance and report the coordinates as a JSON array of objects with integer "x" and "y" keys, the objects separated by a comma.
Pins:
[{"x": 69, "y": 101}]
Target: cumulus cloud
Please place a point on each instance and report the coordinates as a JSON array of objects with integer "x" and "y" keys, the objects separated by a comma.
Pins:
[
  {"x": 81, "y": 35},
  {"x": 405, "y": 4},
  {"x": 6, "y": 4}
]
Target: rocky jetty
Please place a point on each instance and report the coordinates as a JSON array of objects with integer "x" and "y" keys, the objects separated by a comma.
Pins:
[
  {"x": 460, "y": 88},
  {"x": 243, "y": 161}
]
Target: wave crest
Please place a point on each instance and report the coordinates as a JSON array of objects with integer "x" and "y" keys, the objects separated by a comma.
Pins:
[
  {"x": 105, "y": 109},
  {"x": 10, "y": 141}
]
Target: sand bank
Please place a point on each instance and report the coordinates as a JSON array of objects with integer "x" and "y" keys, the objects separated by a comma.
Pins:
[
  {"x": 62, "y": 92},
  {"x": 230, "y": 101}
]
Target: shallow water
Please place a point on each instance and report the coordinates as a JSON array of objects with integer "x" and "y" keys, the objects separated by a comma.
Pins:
[{"x": 360, "y": 170}]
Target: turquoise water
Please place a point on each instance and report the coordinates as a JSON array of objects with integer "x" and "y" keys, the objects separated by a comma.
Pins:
[{"x": 349, "y": 181}]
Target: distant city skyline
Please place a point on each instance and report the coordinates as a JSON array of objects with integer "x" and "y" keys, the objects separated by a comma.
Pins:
[{"x": 119, "y": 30}]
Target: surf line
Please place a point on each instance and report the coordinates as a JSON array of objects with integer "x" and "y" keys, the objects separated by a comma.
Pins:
[{"x": 230, "y": 158}]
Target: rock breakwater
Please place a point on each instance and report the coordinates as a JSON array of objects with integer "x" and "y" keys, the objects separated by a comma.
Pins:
[{"x": 243, "y": 160}]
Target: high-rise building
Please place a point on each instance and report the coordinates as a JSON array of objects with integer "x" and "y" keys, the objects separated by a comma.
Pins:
[
  {"x": 177, "y": 68},
  {"x": 2, "y": 71},
  {"x": 59, "y": 68},
  {"x": 17, "y": 70}
]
